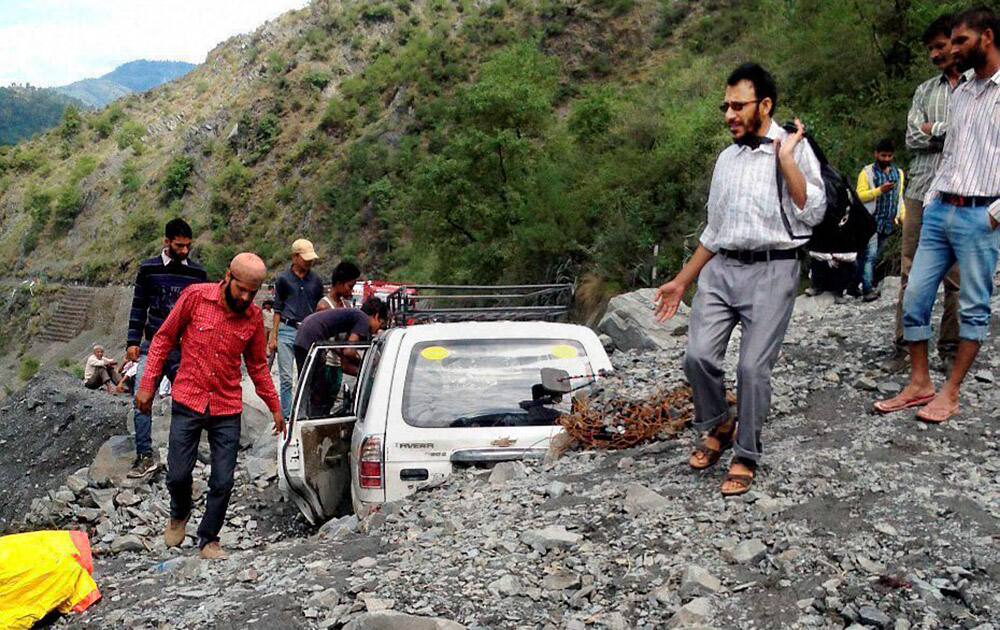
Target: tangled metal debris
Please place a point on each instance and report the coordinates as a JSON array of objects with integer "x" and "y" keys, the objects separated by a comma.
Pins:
[{"x": 617, "y": 423}]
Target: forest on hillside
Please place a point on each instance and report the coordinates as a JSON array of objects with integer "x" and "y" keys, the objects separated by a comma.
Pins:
[
  {"x": 27, "y": 110},
  {"x": 515, "y": 140}
]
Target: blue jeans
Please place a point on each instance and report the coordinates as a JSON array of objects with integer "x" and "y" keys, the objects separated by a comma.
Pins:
[
  {"x": 143, "y": 422},
  {"x": 186, "y": 426},
  {"x": 949, "y": 234},
  {"x": 286, "y": 366},
  {"x": 868, "y": 259}
]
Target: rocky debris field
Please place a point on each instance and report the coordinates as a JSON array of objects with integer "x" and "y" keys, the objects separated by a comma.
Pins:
[
  {"x": 856, "y": 521},
  {"x": 48, "y": 430}
]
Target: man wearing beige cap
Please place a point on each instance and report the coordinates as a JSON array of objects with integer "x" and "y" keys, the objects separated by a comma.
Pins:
[{"x": 296, "y": 293}]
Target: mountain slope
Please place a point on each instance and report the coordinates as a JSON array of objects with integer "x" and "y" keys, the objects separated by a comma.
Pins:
[
  {"x": 94, "y": 93},
  {"x": 25, "y": 111},
  {"x": 134, "y": 76},
  {"x": 448, "y": 140}
]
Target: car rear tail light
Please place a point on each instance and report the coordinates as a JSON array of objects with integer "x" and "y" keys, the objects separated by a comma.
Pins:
[{"x": 370, "y": 463}]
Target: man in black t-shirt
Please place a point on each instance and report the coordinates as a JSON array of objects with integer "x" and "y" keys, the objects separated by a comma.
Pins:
[{"x": 358, "y": 324}]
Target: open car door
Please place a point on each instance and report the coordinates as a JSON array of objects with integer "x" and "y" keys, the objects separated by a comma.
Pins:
[{"x": 313, "y": 458}]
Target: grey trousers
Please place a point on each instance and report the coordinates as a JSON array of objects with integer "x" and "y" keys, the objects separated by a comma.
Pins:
[{"x": 760, "y": 297}]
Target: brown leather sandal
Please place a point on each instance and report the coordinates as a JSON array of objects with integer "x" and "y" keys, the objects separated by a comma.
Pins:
[
  {"x": 743, "y": 481},
  {"x": 704, "y": 456}
]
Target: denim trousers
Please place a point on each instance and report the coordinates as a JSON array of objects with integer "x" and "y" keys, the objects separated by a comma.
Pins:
[
  {"x": 952, "y": 234},
  {"x": 143, "y": 422},
  {"x": 286, "y": 366},
  {"x": 186, "y": 426},
  {"x": 868, "y": 258}
]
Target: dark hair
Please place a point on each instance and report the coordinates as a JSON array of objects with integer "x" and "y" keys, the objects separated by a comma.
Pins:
[
  {"x": 375, "y": 307},
  {"x": 940, "y": 26},
  {"x": 177, "y": 228},
  {"x": 267, "y": 302},
  {"x": 980, "y": 19},
  {"x": 344, "y": 271},
  {"x": 763, "y": 82},
  {"x": 885, "y": 145}
]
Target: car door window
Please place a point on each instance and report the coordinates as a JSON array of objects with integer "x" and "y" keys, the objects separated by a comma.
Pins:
[
  {"x": 368, "y": 381},
  {"x": 324, "y": 390}
]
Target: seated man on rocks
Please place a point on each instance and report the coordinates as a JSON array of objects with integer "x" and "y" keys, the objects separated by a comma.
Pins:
[{"x": 99, "y": 371}]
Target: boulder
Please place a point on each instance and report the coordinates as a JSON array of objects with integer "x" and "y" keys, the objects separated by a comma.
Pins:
[
  {"x": 630, "y": 324},
  {"x": 506, "y": 471},
  {"x": 113, "y": 460},
  {"x": 641, "y": 500},
  {"x": 391, "y": 620},
  {"x": 694, "y": 613},
  {"x": 697, "y": 581},
  {"x": 256, "y": 420},
  {"x": 747, "y": 552},
  {"x": 551, "y": 537},
  {"x": 129, "y": 542},
  {"x": 338, "y": 528}
]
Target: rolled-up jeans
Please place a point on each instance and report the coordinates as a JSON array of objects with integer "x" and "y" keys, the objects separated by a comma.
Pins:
[
  {"x": 952, "y": 234},
  {"x": 186, "y": 426},
  {"x": 143, "y": 422}
]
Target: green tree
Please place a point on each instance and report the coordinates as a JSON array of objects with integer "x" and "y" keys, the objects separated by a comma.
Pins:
[{"x": 177, "y": 179}]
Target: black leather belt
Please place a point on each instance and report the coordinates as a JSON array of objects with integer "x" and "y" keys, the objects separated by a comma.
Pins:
[
  {"x": 294, "y": 323},
  {"x": 749, "y": 257},
  {"x": 967, "y": 202}
]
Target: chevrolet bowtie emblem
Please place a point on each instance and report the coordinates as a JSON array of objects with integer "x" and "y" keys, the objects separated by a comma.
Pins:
[{"x": 503, "y": 442}]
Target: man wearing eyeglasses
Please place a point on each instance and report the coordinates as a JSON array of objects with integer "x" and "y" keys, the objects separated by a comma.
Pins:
[
  {"x": 747, "y": 268},
  {"x": 216, "y": 326}
]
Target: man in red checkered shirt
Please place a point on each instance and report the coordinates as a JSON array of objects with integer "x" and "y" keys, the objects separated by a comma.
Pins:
[{"x": 216, "y": 325}]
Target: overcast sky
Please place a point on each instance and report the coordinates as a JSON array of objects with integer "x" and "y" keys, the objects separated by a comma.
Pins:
[{"x": 54, "y": 42}]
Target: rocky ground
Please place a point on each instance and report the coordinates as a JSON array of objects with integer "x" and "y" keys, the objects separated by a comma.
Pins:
[{"x": 855, "y": 521}]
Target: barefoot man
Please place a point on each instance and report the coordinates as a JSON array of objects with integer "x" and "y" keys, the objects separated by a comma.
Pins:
[
  {"x": 747, "y": 269},
  {"x": 961, "y": 216},
  {"x": 216, "y": 325}
]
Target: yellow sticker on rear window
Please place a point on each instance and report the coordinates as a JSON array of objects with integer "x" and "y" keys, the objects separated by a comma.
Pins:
[
  {"x": 563, "y": 352},
  {"x": 435, "y": 353}
]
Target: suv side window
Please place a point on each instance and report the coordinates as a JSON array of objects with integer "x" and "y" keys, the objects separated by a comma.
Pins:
[{"x": 366, "y": 386}]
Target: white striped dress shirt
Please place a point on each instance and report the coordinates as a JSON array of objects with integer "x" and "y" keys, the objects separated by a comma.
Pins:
[
  {"x": 930, "y": 105},
  {"x": 743, "y": 209},
  {"x": 971, "y": 163}
]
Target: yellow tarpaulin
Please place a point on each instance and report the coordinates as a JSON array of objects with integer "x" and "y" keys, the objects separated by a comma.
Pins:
[{"x": 44, "y": 571}]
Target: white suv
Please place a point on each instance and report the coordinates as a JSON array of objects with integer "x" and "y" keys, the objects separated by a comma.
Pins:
[{"x": 428, "y": 398}]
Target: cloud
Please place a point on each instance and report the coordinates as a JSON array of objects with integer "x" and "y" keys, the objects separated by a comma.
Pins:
[{"x": 54, "y": 42}]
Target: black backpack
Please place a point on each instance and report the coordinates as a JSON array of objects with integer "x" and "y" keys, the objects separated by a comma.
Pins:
[{"x": 847, "y": 226}]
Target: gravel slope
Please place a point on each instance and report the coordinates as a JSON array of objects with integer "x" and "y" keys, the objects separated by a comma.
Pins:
[{"x": 855, "y": 519}]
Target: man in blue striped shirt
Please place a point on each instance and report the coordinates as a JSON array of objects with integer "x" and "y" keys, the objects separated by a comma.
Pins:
[
  {"x": 158, "y": 284},
  {"x": 960, "y": 221}
]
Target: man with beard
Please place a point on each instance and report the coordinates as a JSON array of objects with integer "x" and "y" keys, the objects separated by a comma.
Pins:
[
  {"x": 747, "y": 268},
  {"x": 215, "y": 325},
  {"x": 158, "y": 284},
  {"x": 926, "y": 129},
  {"x": 296, "y": 293},
  {"x": 880, "y": 187},
  {"x": 961, "y": 216}
]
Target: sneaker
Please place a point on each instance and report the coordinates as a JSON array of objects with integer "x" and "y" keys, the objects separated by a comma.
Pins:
[
  {"x": 142, "y": 466},
  {"x": 213, "y": 551},
  {"x": 173, "y": 535},
  {"x": 871, "y": 296}
]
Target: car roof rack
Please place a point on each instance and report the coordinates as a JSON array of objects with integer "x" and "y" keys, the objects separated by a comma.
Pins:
[{"x": 426, "y": 303}]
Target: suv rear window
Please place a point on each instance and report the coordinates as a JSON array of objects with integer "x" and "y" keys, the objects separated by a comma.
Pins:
[{"x": 481, "y": 382}]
